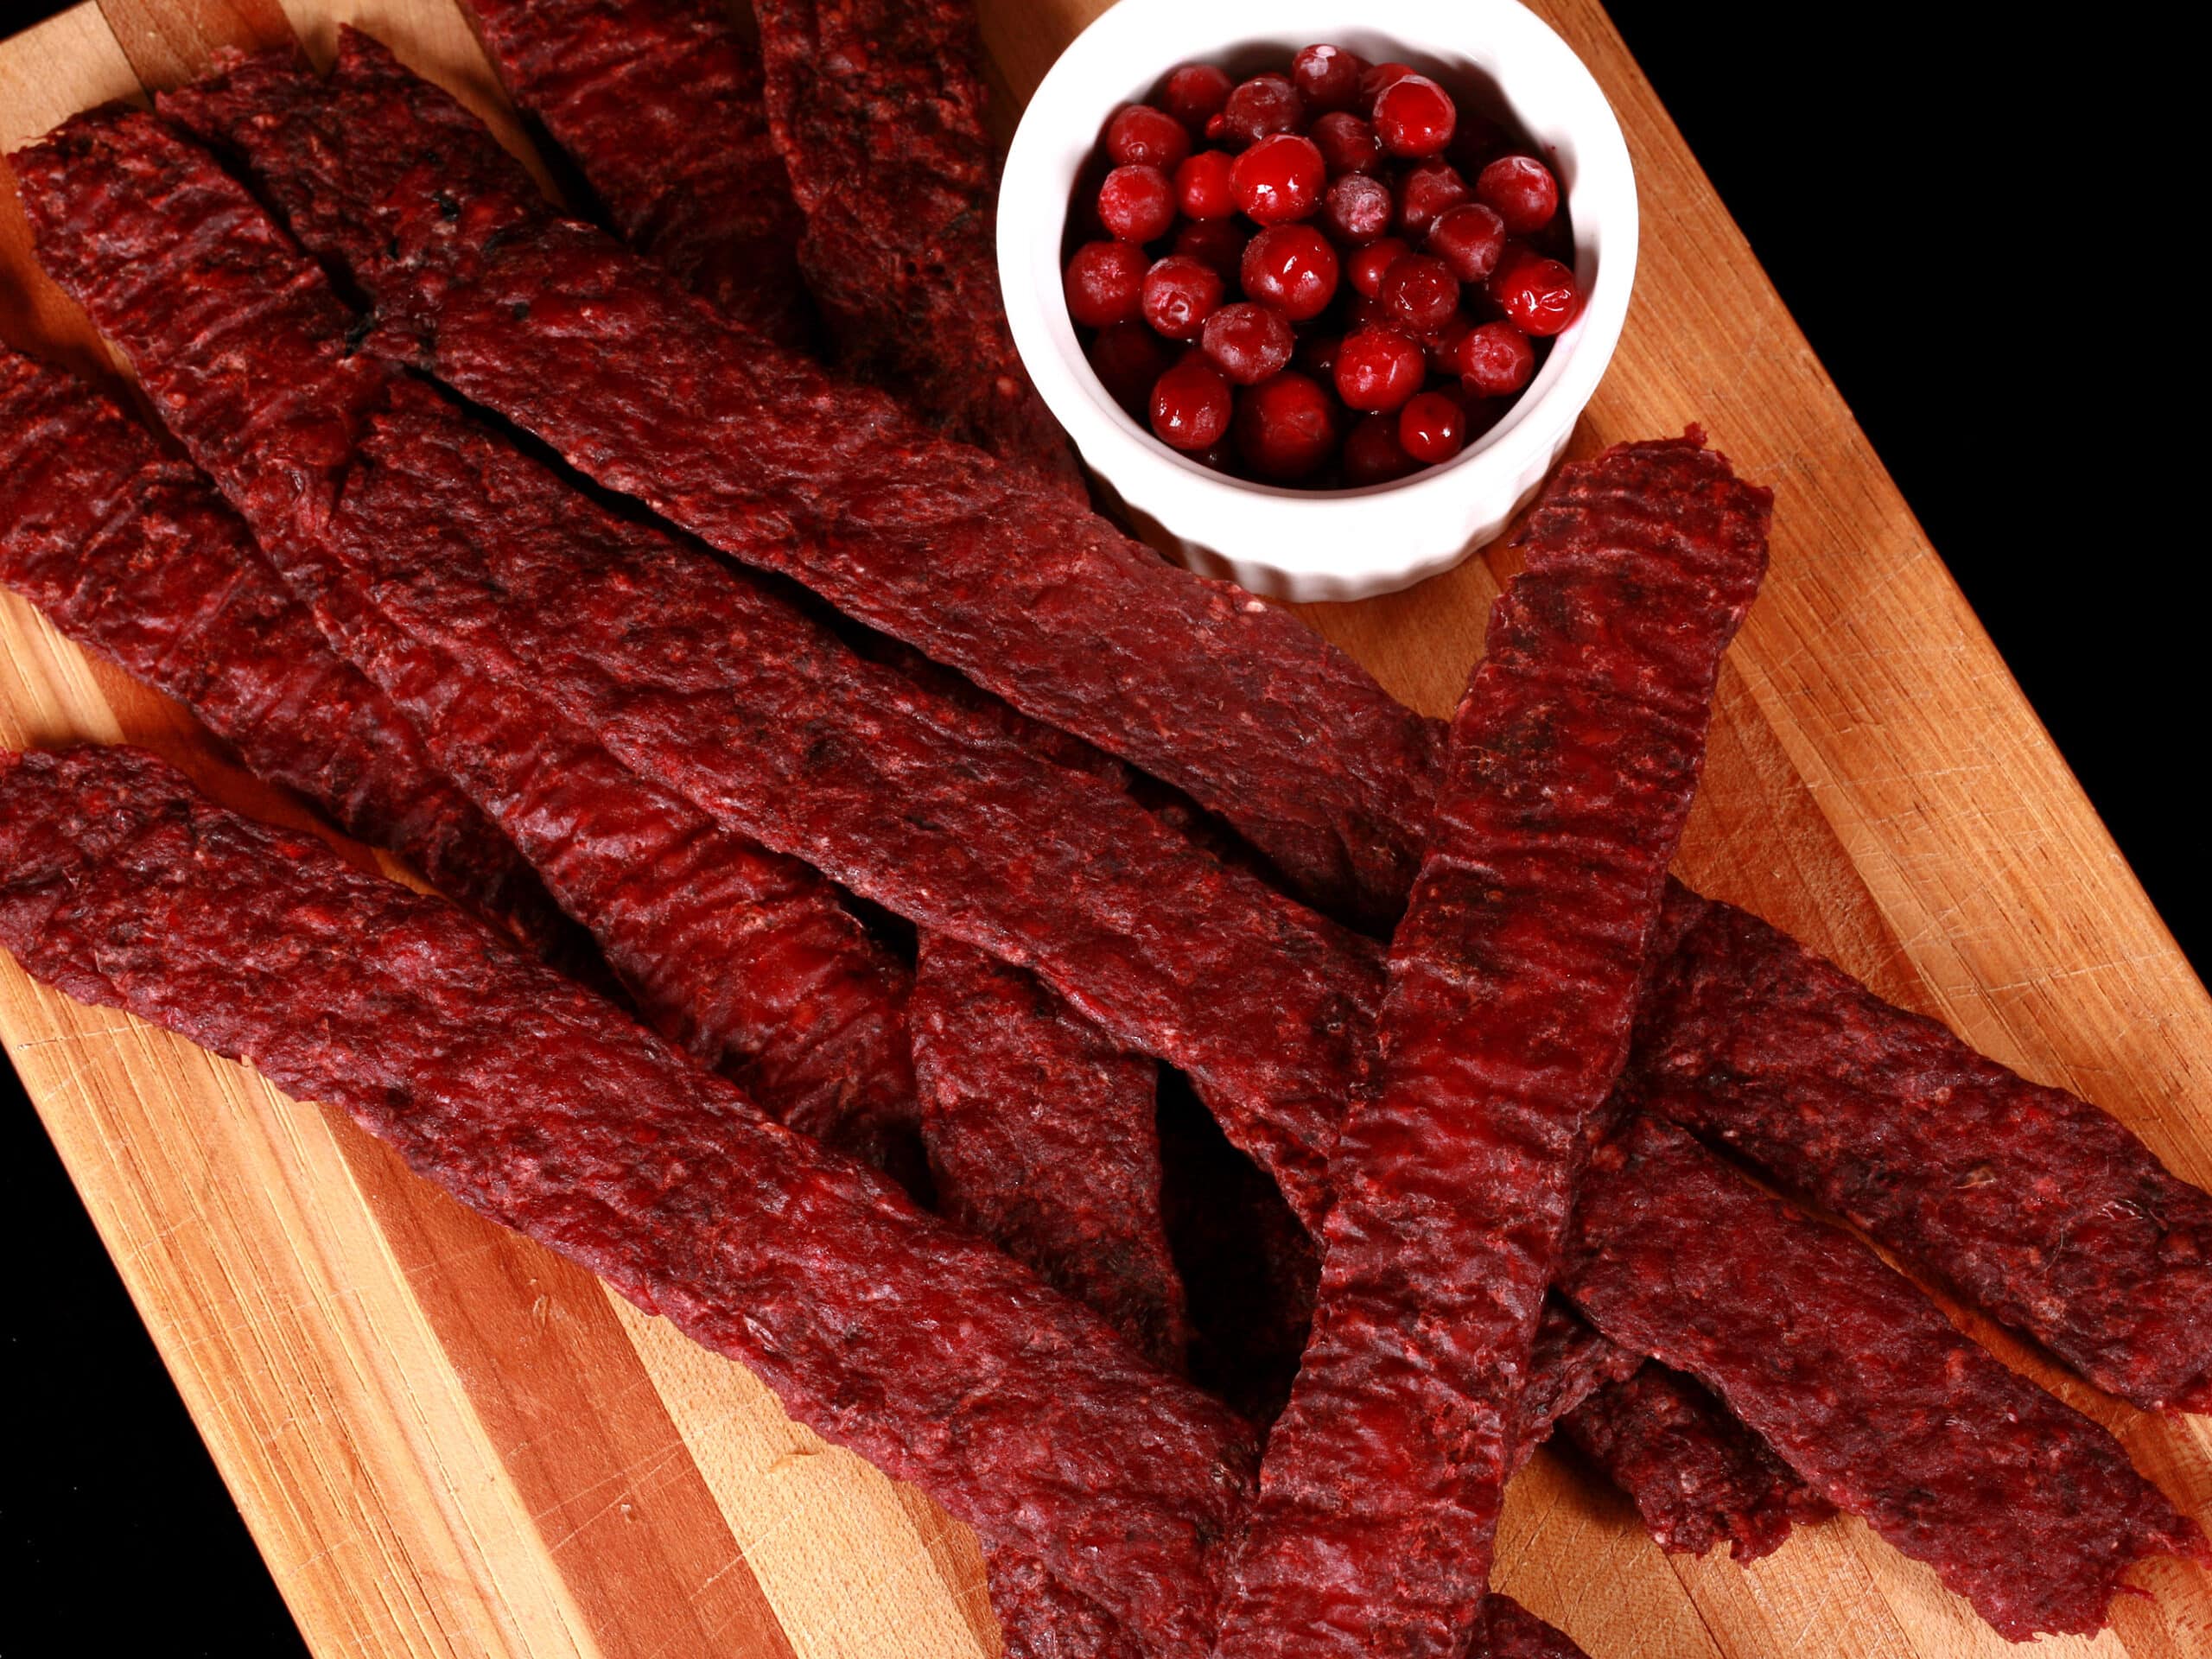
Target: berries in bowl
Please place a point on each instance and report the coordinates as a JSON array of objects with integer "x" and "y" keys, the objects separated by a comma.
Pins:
[{"x": 1320, "y": 305}]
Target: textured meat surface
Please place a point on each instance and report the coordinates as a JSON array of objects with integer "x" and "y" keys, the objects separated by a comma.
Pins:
[
  {"x": 1697, "y": 1476},
  {"x": 658, "y": 103},
  {"x": 134, "y": 554},
  {"x": 1569, "y": 1361},
  {"x": 539, "y": 1106},
  {"x": 1512, "y": 985},
  {"x": 2020, "y": 1503},
  {"x": 877, "y": 106},
  {"x": 1511, "y": 1632},
  {"x": 2045, "y": 1211},
  {"x": 763, "y": 455},
  {"x": 1042, "y": 1136}
]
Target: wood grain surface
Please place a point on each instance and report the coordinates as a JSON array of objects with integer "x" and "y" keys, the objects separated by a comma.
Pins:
[{"x": 448, "y": 1442}]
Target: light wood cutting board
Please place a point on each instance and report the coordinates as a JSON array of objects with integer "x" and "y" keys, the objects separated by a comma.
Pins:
[{"x": 448, "y": 1442}]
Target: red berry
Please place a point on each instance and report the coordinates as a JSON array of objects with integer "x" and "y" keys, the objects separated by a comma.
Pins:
[
  {"x": 1137, "y": 204},
  {"x": 1478, "y": 139},
  {"x": 1140, "y": 135},
  {"x": 1263, "y": 104},
  {"x": 1522, "y": 191},
  {"x": 1432, "y": 426},
  {"x": 1413, "y": 116},
  {"x": 1248, "y": 342},
  {"x": 1105, "y": 284},
  {"x": 1291, "y": 267},
  {"x": 1421, "y": 291},
  {"x": 1380, "y": 78},
  {"x": 1280, "y": 178},
  {"x": 1317, "y": 355},
  {"x": 1357, "y": 209},
  {"x": 1220, "y": 454},
  {"x": 1215, "y": 242},
  {"x": 1366, "y": 267},
  {"x": 1538, "y": 295},
  {"x": 1194, "y": 95},
  {"x": 1347, "y": 143},
  {"x": 1373, "y": 453},
  {"x": 1285, "y": 427},
  {"x": 1429, "y": 191},
  {"x": 1180, "y": 293},
  {"x": 1204, "y": 186},
  {"x": 1327, "y": 77},
  {"x": 1127, "y": 358},
  {"x": 1191, "y": 403},
  {"x": 1497, "y": 360},
  {"x": 1448, "y": 345},
  {"x": 1469, "y": 239},
  {"x": 1379, "y": 369}
]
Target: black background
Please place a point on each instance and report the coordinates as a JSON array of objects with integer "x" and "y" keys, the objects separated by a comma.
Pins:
[{"x": 1968, "y": 227}]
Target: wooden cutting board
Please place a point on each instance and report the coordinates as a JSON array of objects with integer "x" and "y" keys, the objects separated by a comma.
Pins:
[{"x": 448, "y": 1442}]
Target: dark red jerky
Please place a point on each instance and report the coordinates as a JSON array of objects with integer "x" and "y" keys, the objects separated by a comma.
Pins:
[
  {"x": 658, "y": 103},
  {"x": 1513, "y": 980},
  {"x": 2030, "y": 1202},
  {"x": 877, "y": 106},
  {"x": 133, "y": 554},
  {"x": 537, "y": 1104},
  {"x": 1239, "y": 705},
  {"x": 1569, "y": 1361},
  {"x": 1511, "y": 1632},
  {"x": 2020, "y": 1503},
  {"x": 1042, "y": 1136},
  {"x": 1040, "y": 1617},
  {"x": 1697, "y": 1476}
]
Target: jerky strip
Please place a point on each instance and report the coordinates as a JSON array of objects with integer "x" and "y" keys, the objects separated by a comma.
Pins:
[
  {"x": 2019, "y": 1503},
  {"x": 1570, "y": 1361},
  {"x": 133, "y": 554},
  {"x": 535, "y": 1103},
  {"x": 1508, "y": 1631},
  {"x": 877, "y": 106},
  {"x": 1042, "y": 1137},
  {"x": 2031, "y": 1202},
  {"x": 1698, "y": 1476},
  {"x": 1513, "y": 982},
  {"x": 657, "y": 102},
  {"x": 974, "y": 564}
]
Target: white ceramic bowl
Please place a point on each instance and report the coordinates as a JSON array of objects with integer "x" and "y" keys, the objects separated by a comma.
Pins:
[{"x": 1310, "y": 545}]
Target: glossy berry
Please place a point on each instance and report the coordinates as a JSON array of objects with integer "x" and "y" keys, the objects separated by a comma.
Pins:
[
  {"x": 1373, "y": 453},
  {"x": 1137, "y": 204},
  {"x": 1204, "y": 187},
  {"x": 1127, "y": 358},
  {"x": 1291, "y": 267},
  {"x": 1191, "y": 403},
  {"x": 1420, "y": 292},
  {"x": 1447, "y": 347},
  {"x": 1263, "y": 104},
  {"x": 1414, "y": 117},
  {"x": 1215, "y": 242},
  {"x": 1180, "y": 293},
  {"x": 1538, "y": 295},
  {"x": 1280, "y": 178},
  {"x": 1105, "y": 283},
  {"x": 1285, "y": 427},
  {"x": 1365, "y": 271},
  {"x": 1429, "y": 191},
  {"x": 1194, "y": 94},
  {"x": 1248, "y": 342},
  {"x": 1327, "y": 78},
  {"x": 1521, "y": 192},
  {"x": 1469, "y": 239},
  {"x": 1495, "y": 360},
  {"x": 1357, "y": 210},
  {"x": 1380, "y": 78},
  {"x": 1379, "y": 369},
  {"x": 1140, "y": 135},
  {"x": 1347, "y": 143},
  {"x": 1432, "y": 426}
]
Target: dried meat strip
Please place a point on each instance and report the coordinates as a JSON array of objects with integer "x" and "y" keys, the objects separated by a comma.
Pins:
[
  {"x": 2020, "y": 1503},
  {"x": 1513, "y": 981},
  {"x": 2031, "y": 1202},
  {"x": 1042, "y": 1135},
  {"x": 877, "y": 106},
  {"x": 658, "y": 103},
  {"x": 1569, "y": 1361},
  {"x": 1508, "y": 1631},
  {"x": 132, "y": 553},
  {"x": 974, "y": 564},
  {"x": 538, "y": 1105}
]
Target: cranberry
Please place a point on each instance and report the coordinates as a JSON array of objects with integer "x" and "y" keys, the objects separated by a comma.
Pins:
[
  {"x": 1137, "y": 204},
  {"x": 1357, "y": 209},
  {"x": 1537, "y": 295},
  {"x": 1280, "y": 178},
  {"x": 1448, "y": 345},
  {"x": 1248, "y": 342},
  {"x": 1367, "y": 267},
  {"x": 1180, "y": 293},
  {"x": 1215, "y": 242},
  {"x": 1429, "y": 190},
  {"x": 1191, "y": 403},
  {"x": 1291, "y": 267},
  {"x": 1421, "y": 291},
  {"x": 1379, "y": 369},
  {"x": 1285, "y": 427},
  {"x": 1317, "y": 355},
  {"x": 1522, "y": 191},
  {"x": 1497, "y": 360},
  {"x": 1203, "y": 187},
  {"x": 1413, "y": 116},
  {"x": 1140, "y": 135},
  {"x": 1263, "y": 104},
  {"x": 1347, "y": 143},
  {"x": 1105, "y": 284},
  {"x": 1373, "y": 453},
  {"x": 1380, "y": 78},
  {"x": 1194, "y": 95},
  {"x": 1327, "y": 77},
  {"x": 1469, "y": 239},
  {"x": 1127, "y": 358},
  {"x": 1432, "y": 426}
]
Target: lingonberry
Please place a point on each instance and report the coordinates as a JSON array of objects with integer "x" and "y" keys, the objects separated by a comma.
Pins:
[
  {"x": 1379, "y": 369},
  {"x": 1194, "y": 94},
  {"x": 1215, "y": 242},
  {"x": 1414, "y": 117},
  {"x": 1204, "y": 187},
  {"x": 1248, "y": 342},
  {"x": 1522, "y": 191},
  {"x": 1347, "y": 143},
  {"x": 1495, "y": 360},
  {"x": 1327, "y": 77},
  {"x": 1180, "y": 293},
  {"x": 1420, "y": 292},
  {"x": 1285, "y": 427},
  {"x": 1538, "y": 295},
  {"x": 1263, "y": 104},
  {"x": 1127, "y": 358},
  {"x": 1191, "y": 403},
  {"x": 1140, "y": 135},
  {"x": 1280, "y": 178},
  {"x": 1469, "y": 239},
  {"x": 1137, "y": 204},
  {"x": 1291, "y": 267},
  {"x": 1105, "y": 283},
  {"x": 1429, "y": 190},
  {"x": 1432, "y": 426},
  {"x": 1356, "y": 209},
  {"x": 1365, "y": 269},
  {"x": 1373, "y": 453}
]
